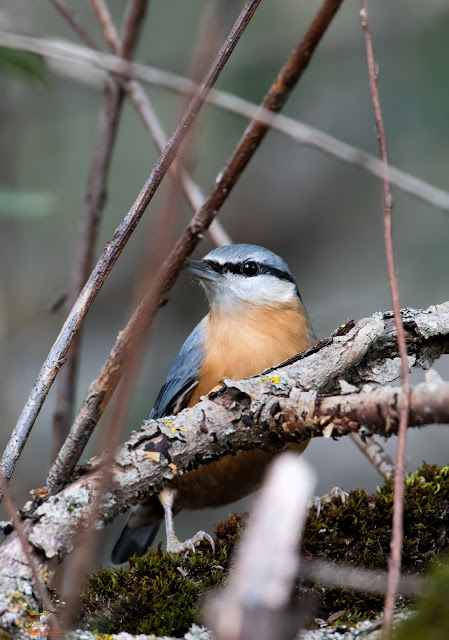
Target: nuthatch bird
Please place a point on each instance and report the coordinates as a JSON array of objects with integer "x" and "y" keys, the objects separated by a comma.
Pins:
[{"x": 256, "y": 320}]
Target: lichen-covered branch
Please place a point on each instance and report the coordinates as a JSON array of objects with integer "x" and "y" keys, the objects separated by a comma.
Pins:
[{"x": 279, "y": 406}]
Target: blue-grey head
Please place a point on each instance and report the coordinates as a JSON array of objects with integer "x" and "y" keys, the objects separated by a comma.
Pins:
[{"x": 239, "y": 274}]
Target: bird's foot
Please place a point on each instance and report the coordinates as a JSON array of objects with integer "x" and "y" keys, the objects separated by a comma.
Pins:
[
  {"x": 175, "y": 546},
  {"x": 317, "y": 502}
]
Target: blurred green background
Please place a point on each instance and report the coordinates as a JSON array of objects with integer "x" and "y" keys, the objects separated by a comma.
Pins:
[{"x": 322, "y": 216}]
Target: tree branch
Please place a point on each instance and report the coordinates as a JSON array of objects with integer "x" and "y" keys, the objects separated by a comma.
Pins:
[
  {"x": 257, "y": 601},
  {"x": 113, "y": 249},
  {"x": 394, "y": 566},
  {"x": 102, "y": 388},
  {"x": 65, "y": 52},
  {"x": 94, "y": 204},
  {"x": 145, "y": 110},
  {"x": 281, "y": 405}
]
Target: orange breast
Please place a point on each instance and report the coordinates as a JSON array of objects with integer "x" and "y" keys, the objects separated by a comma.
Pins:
[
  {"x": 243, "y": 343},
  {"x": 240, "y": 344}
]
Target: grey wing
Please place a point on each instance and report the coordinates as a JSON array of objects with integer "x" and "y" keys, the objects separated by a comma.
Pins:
[
  {"x": 144, "y": 521},
  {"x": 183, "y": 375}
]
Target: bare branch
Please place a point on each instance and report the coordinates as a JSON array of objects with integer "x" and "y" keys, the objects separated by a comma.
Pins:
[
  {"x": 355, "y": 578},
  {"x": 145, "y": 109},
  {"x": 256, "y": 603},
  {"x": 94, "y": 204},
  {"x": 373, "y": 450},
  {"x": 399, "y": 474},
  {"x": 74, "y": 23},
  {"x": 101, "y": 389},
  {"x": 302, "y": 133},
  {"x": 109, "y": 31},
  {"x": 279, "y": 407},
  {"x": 114, "y": 248},
  {"x": 29, "y": 552}
]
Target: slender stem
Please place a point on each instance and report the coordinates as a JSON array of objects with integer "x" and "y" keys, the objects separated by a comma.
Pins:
[
  {"x": 373, "y": 450},
  {"x": 94, "y": 204},
  {"x": 298, "y": 131},
  {"x": 394, "y": 565},
  {"x": 74, "y": 23},
  {"x": 145, "y": 109},
  {"x": 109, "y": 31},
  {"x": 39, "y": 584}
]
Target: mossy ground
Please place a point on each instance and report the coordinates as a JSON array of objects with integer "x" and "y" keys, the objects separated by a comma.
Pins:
[
  {"x": 431, "y": 621},
  {"x": 161, "y": 593}
]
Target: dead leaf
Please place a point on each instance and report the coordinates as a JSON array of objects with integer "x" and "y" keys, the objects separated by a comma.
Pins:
[{"x": 334, "y": 616}]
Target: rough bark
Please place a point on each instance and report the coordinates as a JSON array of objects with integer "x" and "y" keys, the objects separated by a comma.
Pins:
[{"x": 289, "y": 403}]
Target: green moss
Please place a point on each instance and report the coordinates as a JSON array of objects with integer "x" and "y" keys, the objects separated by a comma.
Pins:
[
  {"x": 431, "y": 622},
  {"x": 160, "y": 593},
  {"x": 359, "y": 531}
]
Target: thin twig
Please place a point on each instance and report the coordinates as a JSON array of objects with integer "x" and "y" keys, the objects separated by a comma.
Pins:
[
  {"x": 114, "y": 248},
  {"x": 373, "y": 450},
  {"x": 74, "y": 23},
  {"x": 345, "y": 576},
  {"x": 18, "y": 528},
  {"x": 394, "y": 564},
  {"x": 101, "y": 389},
  {"x": 94, "y": 204},
  {"x": 134, "y": 16},
  {"x": 298, "y": 131},
  {"x": 95, "y": 201},
  {"x": 145, "y": 109},
  {"x": 143, "y": 105},
  {"x": 109, "y": 31}
]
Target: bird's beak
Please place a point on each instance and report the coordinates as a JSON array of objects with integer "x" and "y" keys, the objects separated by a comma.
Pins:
[{"x": 202, "y": 270}]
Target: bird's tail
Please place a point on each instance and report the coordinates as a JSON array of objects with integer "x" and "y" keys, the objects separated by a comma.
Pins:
[{"x": 139, "y": 531}]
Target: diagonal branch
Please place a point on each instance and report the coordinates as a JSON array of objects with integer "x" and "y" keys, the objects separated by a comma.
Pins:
[
  {"x": 74, "y": 23},
  {"x": 280, "y": 407},
  {"x": 114, "y": 248},
  {"x": 94, "y": 204},
  {"x": 101, "y": 389},
  {"x": 26, "y": 549},
  {"x": 54, "y": 51},
  {"x": 145, "y": 109}
]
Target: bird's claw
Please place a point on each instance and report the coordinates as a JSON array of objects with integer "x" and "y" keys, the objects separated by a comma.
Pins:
[
  {"x": 176, "y": 546},
  {"x": 317, "y": 502}
]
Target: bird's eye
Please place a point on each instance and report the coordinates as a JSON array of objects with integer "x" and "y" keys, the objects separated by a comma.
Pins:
[{"x": 249, "y": 269}]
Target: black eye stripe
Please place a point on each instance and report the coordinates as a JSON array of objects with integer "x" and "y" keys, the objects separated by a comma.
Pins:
[
  {"x": 216, "y": 266},
  {"x": 232, "y": 267}
]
